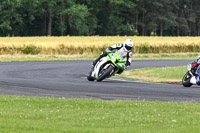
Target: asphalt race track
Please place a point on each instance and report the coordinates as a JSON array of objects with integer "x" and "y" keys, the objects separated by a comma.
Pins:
[{"x": 68, "y": 79}]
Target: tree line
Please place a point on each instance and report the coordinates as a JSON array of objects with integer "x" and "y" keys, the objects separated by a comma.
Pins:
[{"x": 99, "y": 17}]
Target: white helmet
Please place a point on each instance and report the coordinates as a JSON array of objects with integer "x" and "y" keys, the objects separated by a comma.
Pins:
[
  {"x": 128, "y": 45},
  {"x": 198, "y": 60}
]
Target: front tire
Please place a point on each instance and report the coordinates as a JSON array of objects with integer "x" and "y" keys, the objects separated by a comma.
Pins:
[
  {"x": 105, "y": 73},
  {"x": 89, "y": 77},
  {"x": 186, "y": 80}
]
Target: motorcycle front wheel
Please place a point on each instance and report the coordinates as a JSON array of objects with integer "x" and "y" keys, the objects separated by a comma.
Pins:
[
  {"x": 186, "y": 80},
  {"x": 105, "y": 73},
  {"x": 89, "y": 77}
]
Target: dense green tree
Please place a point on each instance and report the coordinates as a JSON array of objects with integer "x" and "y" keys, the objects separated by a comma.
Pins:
[
  {"x": 161, "y": 16},
  {"x": 77, "y": 20},
  {"x": 10, "y": 16},
  {"x": 120, "y": 20},
  {"x": 103, "y": 17}
]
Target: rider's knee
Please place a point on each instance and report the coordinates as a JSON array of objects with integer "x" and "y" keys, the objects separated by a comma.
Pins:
[
  {"x": 198, "y": 82},
  {"x": 120, "y": 71}
]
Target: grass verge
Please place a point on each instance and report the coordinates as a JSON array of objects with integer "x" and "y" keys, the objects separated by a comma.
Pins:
[
  {"x": 8, "y": 58},
  {"x": 157, "y": 75},
  {"x": 27, "y": 114}
]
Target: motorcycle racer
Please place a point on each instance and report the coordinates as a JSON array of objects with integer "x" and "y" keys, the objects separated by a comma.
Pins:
[
  {"x": 195, "y": 64},
  {"x": 124, "y": 50}
]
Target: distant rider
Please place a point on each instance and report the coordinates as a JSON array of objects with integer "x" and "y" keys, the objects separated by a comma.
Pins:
[
  {"x": 124, "y": 50},
  {"x": 195, "y": 64}
]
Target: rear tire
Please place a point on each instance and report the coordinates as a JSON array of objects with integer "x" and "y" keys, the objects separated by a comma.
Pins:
[
  {"x": 105, "y": 73},
  {"x": 186, "y": 80}
]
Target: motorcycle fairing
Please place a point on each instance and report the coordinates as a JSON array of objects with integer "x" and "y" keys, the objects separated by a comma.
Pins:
[
  {"x": 197, "y": 75},
  {"x": 97, "y": 66}
]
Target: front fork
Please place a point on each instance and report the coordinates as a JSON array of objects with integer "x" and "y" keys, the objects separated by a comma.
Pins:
[{"x": 191, "y": 73}]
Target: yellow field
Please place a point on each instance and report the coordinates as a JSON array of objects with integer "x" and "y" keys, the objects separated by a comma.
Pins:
[
  {"x": 95, "y": 44},
  {"x": 94, "y": 41}
]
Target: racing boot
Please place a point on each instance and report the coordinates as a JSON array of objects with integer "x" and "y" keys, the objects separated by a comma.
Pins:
[
  {"x": 102, "y": 55},
  {"x": 95, "y": 61}
]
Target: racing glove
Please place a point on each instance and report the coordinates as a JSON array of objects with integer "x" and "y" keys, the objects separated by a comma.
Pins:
[
  {"x": 108, "y": 51},
  {"x": 127, "y": 63},
  {"x": 103, "y": 54}
]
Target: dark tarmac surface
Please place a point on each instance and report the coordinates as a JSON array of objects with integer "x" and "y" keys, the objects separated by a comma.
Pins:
[{"x": 68, "y": 79}]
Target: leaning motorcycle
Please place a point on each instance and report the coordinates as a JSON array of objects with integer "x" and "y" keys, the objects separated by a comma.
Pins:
[
  {"x": 107, "y": 66},
  {"x": 186, "y": 81}
]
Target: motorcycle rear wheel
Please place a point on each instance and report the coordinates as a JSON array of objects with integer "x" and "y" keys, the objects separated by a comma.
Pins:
[{"x": 186, "y": 80}]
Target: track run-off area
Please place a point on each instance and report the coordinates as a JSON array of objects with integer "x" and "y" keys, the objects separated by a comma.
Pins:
[{"x": 68, "y": 79}]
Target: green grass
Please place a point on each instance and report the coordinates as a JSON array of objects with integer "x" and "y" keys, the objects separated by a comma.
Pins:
[
  {"x": 166, "y": 56},
  {"x": 9, "y": 58},
  {"x": 158, "y": 74},
  {"x": 26, "y": 114}
]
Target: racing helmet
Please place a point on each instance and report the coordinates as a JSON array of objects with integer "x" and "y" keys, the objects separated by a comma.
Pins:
[
  {"x": 198, "y": 60},
  {"x": 128, "y": 45}
]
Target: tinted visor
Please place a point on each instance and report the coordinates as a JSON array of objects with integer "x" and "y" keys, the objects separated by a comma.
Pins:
[{"x": 127, "y": 47}]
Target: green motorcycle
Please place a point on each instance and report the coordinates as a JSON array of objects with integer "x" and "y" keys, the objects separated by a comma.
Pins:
[{"x": 107, "y": 66}]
